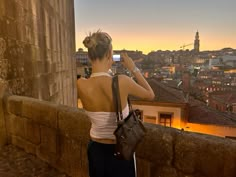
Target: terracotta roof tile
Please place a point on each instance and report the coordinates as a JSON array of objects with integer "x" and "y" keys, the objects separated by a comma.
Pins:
[{"x": 199, "y": 112}]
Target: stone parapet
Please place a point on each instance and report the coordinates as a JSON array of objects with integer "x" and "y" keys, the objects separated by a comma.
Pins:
[{"x": 59, "y": 135}]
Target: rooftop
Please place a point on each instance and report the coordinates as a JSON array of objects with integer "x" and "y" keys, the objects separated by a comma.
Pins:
[{"x": 199, "y": 112}]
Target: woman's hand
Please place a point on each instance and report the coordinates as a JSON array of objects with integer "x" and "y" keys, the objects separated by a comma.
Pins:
[{"x": 127, "y": 62}]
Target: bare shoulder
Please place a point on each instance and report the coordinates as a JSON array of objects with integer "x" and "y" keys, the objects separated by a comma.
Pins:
[
  {"x": 124, "y": 78},
  {"x": 81, "y": 82},
  {"x": 82, "y": 79}
]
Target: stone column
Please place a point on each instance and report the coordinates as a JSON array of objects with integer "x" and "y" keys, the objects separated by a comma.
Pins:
[{"x": 3, "y": 133}]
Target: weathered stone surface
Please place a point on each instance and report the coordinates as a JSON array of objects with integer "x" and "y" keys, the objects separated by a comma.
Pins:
[
  {"x": 150, "y": 145},
  {"x": 3, "y": 131},
  {"x": 229, "y": 160},
  {"x": 14, "y": 105},
  {"x": 24, "y": 144},
  {"x": 74, "y": 124},
  {"x": 26, "y": 25},
  {"x": 72, "y": 159},
  {"x": 46, "y": 156},
  {"x": 16, "y": 163},
  {"x": 40, "y": 111},
  {"x": 16, "y": 125},
  {"x": 164, "y": 152},
  {"x": 84, "y": 162},
  {"x": 32, "y": 132},
  {"x": 49, "y": 138},
  {"x": 185, "y": 153},
  {"x": 206, "y": 155}
]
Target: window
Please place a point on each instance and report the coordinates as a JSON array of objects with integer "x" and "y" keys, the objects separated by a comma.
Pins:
[{"x": 165, "y": 119}]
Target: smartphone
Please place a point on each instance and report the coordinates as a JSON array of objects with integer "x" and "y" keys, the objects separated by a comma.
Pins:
[{"x": 116, "y": 57}]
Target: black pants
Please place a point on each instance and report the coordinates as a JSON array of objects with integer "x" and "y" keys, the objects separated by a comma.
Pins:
[{"x": 103, "y": 163}]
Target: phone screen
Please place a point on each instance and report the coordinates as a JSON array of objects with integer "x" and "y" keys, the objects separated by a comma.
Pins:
[{"x": 116, "y": 57}]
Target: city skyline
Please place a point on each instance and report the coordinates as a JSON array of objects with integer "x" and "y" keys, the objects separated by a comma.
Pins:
[{"x": 158, "y": 25}]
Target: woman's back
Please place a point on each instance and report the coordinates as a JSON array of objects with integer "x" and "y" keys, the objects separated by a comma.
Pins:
[{"x": 96, "y": 93}]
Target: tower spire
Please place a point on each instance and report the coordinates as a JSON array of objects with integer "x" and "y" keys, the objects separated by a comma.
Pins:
[{"x": 197, "y": 42}]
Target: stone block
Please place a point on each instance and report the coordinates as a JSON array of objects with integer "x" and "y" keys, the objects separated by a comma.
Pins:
[
  {"x": 3, "y": 136},
  {"x": 43, "y": 153},
  {"x": 10, "y": 5},
  {"x": 40, "y": 66},
  {"x": 42, "y": 112},
  {"x": 3, "y": 130},
  {"x": 16, "y": 125},
  {"x": 19, "y": 12},
  {"x": 71, "y": 156},
  {"x": 20, "y": 32},
  {"x": 24, "y": 144},
  {"x": 202, "y": 153},
  {"x": 28, "y": 71},
  {"x": 74, "y": 123},
  {"x": 230, "y": 159},
  {"x": 18, "y": 141},
  {"x": 185, "y": 154},
  {"x": 14, "y": 105},
  {"x": 84, "y": 161},
  {"x": 30, "y": 148},
  {"x": 157, "y": 146},
  {"x": 32, "y": 132},
  {"x": 49, "y": 139},
  {"x": 2, "y": 9},
  {"x": 11, "y": 28},
  {"x": 3, "y": 30},
  {"x": 212, "y": 157}
]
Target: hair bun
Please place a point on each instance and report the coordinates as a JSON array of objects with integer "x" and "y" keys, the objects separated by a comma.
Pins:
[{"x": 89, "y": 42}]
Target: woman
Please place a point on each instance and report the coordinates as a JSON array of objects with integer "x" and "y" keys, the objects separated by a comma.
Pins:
[{"x": 96, "y": 96}]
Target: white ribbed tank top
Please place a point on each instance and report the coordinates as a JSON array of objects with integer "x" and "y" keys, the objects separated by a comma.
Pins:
[{"x": 104, "y": 123}]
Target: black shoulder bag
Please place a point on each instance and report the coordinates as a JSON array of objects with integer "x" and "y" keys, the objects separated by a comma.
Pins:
[{"x": 129, "y": 131}]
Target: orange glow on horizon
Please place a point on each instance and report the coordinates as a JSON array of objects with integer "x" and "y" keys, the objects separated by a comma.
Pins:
[{"x": 152, "y": 42}]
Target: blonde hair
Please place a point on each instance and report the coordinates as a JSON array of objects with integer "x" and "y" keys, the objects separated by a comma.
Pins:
[{"x": 98, "y": 44}]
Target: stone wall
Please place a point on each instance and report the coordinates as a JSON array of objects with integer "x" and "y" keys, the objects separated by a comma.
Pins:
[
  {"x": 59, "y": 135},
  {"x": 37, "y": 46},
  {"x": 3, "y": 132}
]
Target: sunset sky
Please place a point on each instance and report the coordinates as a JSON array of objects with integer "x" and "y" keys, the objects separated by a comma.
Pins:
[{"x": 148, "y": 25}]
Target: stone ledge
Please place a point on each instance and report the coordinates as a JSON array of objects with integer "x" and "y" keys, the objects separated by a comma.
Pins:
[
  {"x": 74, "y": 123},
  {"x": 208, "y": 155},
  {"x": 38, "y": 111},
  {"x": 14, "y": 105},
  {"x": 150, "y": 145},
  {"x": 164, "y": 151}
]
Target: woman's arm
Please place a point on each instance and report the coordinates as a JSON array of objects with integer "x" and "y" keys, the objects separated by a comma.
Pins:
[{"x": 140, "y": 89}]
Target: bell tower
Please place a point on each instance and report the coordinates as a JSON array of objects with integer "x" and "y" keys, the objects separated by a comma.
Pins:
[{"x": 196, "y": 42}]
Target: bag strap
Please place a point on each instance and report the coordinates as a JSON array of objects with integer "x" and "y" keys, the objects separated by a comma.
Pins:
[
  {"x": 116, "y": 97},
  {"x": 130, "y": 105}
]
